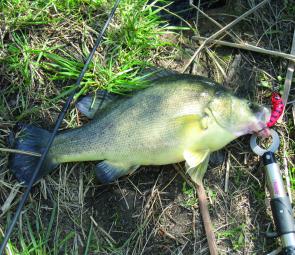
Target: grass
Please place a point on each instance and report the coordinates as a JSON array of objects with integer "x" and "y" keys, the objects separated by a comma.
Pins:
[
  {"x": 34, "y": 238},
  {"x": 130, "y": 45},
  {"x": 190, "y": 196},
  {"x": 43, "y": 45},
  {"x": 236, "y": 235},
  {"x": 43, "y": 50}
]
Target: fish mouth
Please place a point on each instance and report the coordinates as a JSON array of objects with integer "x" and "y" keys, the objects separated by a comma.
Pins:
[
  {"x": 257, "y": 125},
  {"x": 260, "y": 128}
]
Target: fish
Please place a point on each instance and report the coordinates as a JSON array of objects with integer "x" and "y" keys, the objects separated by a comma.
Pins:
[{"x": 175, "y": 118}]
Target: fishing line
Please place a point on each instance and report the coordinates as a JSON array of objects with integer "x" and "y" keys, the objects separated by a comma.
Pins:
[{"x": 56, "y": 127}]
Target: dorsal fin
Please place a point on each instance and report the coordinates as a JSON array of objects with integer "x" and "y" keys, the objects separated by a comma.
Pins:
[
  {"x": 154, "y": 73},
  {"x": 89, "y": 105}
]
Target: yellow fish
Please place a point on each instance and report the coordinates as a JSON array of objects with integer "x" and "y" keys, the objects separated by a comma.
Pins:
[{"x": 176, "y": 117}]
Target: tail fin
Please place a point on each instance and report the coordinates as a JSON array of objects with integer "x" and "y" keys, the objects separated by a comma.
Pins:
[{"x": 30, "y": 139}]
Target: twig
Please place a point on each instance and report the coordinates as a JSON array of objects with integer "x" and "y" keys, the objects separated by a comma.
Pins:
[
  {"x": 7, "y": 204},
  {"x": 194, "y": 222},
  {"x": 94, "y": 221},
  {"x": 124, "y": 197},
  {"x": 30, "y": 153},
  {"x": 227, "y": 172},
  {"x": 288, "y": 80},
  {"x": 163, "y": 232},
  {"x": 107, "y": 236},
  {"x": 231, "y": 24},
  {"x": 191, "y": 3},
  {"x": 233, "y": 69},
  {"x": 289, "y": 75},
  {"x": 246, "y": 46},
  {"x": 212, "y": 20},
  {"x": 206, "y": 219},
  {"x": 204, "y": 212}
]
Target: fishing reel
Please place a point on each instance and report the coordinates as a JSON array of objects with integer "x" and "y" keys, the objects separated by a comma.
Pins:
[{"x": 280, "y": 203}]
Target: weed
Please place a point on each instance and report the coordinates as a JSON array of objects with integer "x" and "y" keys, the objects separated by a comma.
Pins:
[
  {"x": 292, "y": 178},
  {"x": 190, "y": 199},
  {"x": 212, "y": 194},
  {"x": 289, "y": 8},
  {"x": 43, "y": 50},
  {"x": 236, "y": 236},
  {"x": 35, "y": 237},
  {"x": 43, "y": 46}
]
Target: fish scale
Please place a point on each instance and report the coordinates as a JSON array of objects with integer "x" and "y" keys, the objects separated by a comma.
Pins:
[{"x": 141, "y": 120}]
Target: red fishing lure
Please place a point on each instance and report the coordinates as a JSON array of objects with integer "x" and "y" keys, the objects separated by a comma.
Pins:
[{"x": 277, "y": 108}]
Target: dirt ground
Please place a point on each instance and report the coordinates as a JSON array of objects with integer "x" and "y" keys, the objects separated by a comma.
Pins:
[{"x": 155, "y": 211}]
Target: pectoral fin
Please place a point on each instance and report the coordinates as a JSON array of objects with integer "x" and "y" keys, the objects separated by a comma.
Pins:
[
  {"x": 193, "y": 122},
  {"x": 197, "y": 164},
  {"x": 107, "y": 171}
]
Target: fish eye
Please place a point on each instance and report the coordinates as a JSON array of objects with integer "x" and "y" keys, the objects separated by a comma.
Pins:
[{"x": 252, "y": 106}]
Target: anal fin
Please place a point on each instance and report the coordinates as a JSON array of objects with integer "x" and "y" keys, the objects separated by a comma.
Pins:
[
  {"x": 197, "y": 164},
  {"x": 107, "y": 171}
]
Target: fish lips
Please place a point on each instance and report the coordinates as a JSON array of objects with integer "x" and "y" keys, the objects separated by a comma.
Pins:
[
  {"x": 263, "y": 132},
  {"x": 260, "y": 128},
  {"x": 259, "y": 124}
]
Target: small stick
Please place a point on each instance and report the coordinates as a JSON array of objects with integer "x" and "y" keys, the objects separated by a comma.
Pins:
[
  {"x": 94, "y": 221},
  {"x": 206, "y": 219},
  {"x": 29, "y": 153},
  {"x": 124, "y": 197},
  {"x": 163, "y": 232},
  {"x": 194, "y": 222},
  {"x": 287, "y": 87},
  {"x": 106, "y": 234},
  {"x": 288, "y": 80},
  {"x": 7, "y": 204},
  {"x": 232, "y": 70},
  {"x": 204, "y": 212},
  {"x": 246, "y": 46},
  {"x": 227, "y": 173},
  {"x": 231, "y": 24},
  {"x": 289, "y": 75},
  {"x": 211, "y": 19},
  {"x": 191, "y": 3}
]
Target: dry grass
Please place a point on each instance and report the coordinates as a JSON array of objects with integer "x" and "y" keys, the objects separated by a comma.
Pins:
[{"x": 154, "y": 211}]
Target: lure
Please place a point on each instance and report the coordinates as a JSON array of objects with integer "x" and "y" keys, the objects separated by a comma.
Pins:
[{"x": 277, "y": 109}]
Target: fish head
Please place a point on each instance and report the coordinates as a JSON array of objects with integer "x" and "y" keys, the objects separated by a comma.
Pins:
[{"x": 239, "y": 116}]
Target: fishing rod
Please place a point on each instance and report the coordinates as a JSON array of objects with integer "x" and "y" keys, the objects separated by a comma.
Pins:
[
  {"x": 281, "y": 207},
  {"x": 56, "y": 127}
]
